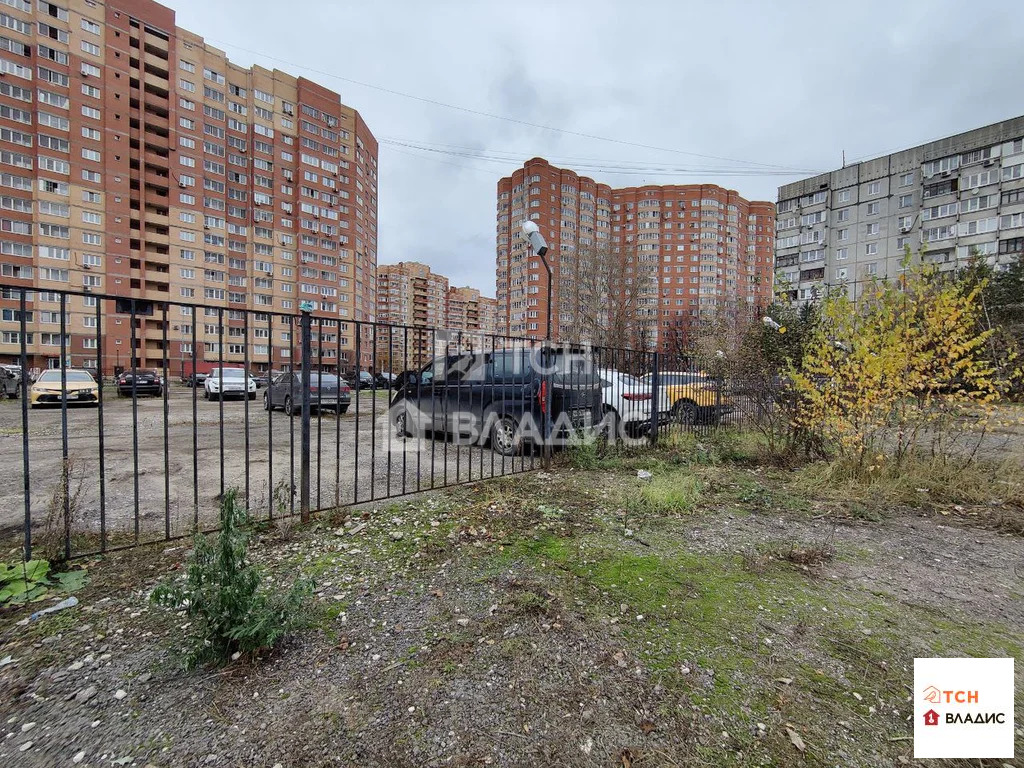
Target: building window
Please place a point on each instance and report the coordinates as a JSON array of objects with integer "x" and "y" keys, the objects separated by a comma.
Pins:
[
  {"x": 874, "y": 188},
  {"x": 843, "y": 196},
  {"x": 906, "y": 201}
]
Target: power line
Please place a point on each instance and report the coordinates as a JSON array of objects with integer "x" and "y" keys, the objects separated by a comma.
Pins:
[
  {"x": 602, "y": 167},
  {"x": 515, "y": 155},
  {"x": 481, "y": 113}
]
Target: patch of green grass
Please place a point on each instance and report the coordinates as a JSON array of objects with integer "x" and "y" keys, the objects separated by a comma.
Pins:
[
  {"x": 737, "y": 634},
  {"x": 675, "y": 493}
]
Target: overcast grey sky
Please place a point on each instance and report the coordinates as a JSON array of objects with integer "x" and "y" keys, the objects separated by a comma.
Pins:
[{"x": 787, "y": 84}]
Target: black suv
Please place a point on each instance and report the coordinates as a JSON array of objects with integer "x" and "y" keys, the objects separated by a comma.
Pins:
[{"x": 509, "y": 397}]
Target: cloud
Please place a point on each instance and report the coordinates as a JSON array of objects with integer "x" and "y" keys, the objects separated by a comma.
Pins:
[{"x": 788, "y": 83}]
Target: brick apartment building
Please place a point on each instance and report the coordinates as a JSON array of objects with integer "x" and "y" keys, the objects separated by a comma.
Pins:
[
  {"x": 696, "y": 248},
  {"x": 470, "y": 312},
  {"x": 138, "y": 161},
  {"x": 409, "y": 294}
]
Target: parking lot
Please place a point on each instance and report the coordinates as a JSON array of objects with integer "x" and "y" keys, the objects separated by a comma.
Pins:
[{"x": 207, "y": 453}]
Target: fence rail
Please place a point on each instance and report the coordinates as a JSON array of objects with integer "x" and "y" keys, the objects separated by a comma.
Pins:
[{"x": 102, "y": 467}]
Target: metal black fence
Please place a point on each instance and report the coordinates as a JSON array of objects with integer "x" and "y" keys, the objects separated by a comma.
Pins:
[{"x": 102, "y": 467}]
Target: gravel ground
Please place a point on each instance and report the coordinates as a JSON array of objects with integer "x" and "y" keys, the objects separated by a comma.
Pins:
[
  {"x": 514, "y": 623},
  {"x": 380, "y": 466}
]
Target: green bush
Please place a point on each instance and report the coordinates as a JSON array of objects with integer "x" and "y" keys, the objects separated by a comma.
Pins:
[{"x": 224, "y": 595}]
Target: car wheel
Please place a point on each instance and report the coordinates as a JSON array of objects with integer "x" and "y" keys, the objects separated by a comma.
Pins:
[
  {"x": 252, "y": 395},
  {"x": 266, "y": 401},
  {"x": 342, "y": 409},
  {"x": 206, "y": 394},
  {"x": 684, "y": 412},
  {"x": 288, "y": 406},
  {"x": 505, "y": 436}
]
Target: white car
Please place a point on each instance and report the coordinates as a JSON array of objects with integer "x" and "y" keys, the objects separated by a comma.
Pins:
[
  {"x": 626, "y": 400},
  {"x": 229, "y": 382}
]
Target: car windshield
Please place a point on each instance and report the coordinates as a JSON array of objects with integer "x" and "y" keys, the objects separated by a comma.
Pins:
[
  {"x": 324, "y": 379},
  {"x": 629, "y": 381},
  {"x": 142, "y": 372},
  {"x": 72, "y": 376},
  {"x": 229, "y": 373}
]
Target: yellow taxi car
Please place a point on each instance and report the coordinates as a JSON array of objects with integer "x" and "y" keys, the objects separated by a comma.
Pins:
[
  {"x": 80, "y": 387},
  {"x": 695, "y": 399}
]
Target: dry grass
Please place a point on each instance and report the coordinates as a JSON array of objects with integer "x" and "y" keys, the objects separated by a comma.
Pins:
[
  {"x": 809, "y": 555},
  {"x": 64, "y": 518},
  {"x": 940, "y": 480}
]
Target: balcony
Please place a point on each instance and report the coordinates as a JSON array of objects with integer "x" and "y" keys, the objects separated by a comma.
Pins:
[
  {"x": 154, "y": 238},
  {"x": 159, "y": 180},
  {"x": 156, "y": 86},
  {"x": 158, "y": 288},
  {"x": 157, "y": 121},
  {"x": 156, "y": 62}
]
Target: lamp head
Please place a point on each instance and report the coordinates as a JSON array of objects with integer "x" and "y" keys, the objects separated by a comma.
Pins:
[{"x": 532, "y": 233}]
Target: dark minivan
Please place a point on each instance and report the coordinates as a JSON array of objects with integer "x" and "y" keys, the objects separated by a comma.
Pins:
[{"x": 507, "y": 398}]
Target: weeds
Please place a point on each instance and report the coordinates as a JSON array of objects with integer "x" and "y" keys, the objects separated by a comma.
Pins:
[
  {"x": 672, "y": 494},
  {"x": 63, "y": 514},
  {"x": 917, "y": 480},
  {"x": 231, "y": 608},
  {"x": 811, "y": 554}
]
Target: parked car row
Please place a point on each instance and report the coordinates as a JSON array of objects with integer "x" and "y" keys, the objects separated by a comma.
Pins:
[{"x": 498, "y": 398}]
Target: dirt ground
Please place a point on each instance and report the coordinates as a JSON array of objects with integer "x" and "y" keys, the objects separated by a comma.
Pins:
[
  {"x": 380, "y": 466},
  {"x": 580, "y": 617}
]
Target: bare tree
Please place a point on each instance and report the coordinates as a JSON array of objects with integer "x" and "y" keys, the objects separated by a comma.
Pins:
[{"x": 607, "y": 298}]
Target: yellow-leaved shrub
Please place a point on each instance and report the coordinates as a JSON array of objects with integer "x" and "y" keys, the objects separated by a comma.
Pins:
[{"x": 908, "y": 366}]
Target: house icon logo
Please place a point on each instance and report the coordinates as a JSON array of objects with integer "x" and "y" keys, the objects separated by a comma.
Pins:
[
  {"x": 932, "y": 695},
  {"x": 931, "y": 717}
]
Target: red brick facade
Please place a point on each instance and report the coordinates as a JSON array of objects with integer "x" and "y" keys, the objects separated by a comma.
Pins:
[
  {"x": 699, "y": 248},
  {"x": 152, "y": 167}
]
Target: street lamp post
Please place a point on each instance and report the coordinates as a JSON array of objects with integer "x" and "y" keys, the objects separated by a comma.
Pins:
[{"x": 532, "y": 233}]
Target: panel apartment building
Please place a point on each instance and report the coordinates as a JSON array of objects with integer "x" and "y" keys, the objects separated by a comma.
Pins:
[
  {"x": 958, "y": 197},
  {"x": 138, "y": 161},
  {"x": 698, "y": 248}
]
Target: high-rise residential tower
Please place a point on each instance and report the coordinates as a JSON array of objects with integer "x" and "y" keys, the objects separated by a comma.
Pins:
[
  {"x": 137, "y": 160},
  {"x": 686, "y": 252}
]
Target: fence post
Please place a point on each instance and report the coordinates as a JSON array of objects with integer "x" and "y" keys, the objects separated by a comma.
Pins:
[
  {"x": 655, "y": 393},
  {"x": 305, "y": 325}
]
